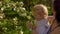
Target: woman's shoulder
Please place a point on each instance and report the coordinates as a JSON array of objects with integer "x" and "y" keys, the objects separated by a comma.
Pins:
[{"x": 56, "y": 31}]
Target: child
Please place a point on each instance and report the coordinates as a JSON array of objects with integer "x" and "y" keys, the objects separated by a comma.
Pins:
[{"x": 40, "y": 14}]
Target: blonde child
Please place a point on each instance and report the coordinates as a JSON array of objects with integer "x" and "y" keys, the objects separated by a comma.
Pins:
[{"x": 40, "y": 14}]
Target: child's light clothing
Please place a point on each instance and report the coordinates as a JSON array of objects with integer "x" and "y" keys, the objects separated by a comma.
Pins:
[{"x": 42, "y": 26}]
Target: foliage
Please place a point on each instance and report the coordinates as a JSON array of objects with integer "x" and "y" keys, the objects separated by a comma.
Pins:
[{"x": 14, "y": 15}]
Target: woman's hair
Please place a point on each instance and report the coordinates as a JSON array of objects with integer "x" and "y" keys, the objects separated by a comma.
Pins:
[{"x": 56, "y": 7}]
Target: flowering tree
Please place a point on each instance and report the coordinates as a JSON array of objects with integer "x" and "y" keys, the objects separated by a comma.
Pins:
[{"x": 13, "y": 18}]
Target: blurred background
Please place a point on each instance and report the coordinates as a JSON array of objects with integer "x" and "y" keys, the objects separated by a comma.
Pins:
[{"x": 15, "y": 13}]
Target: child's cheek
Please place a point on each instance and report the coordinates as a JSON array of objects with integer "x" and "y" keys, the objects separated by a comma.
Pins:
[{"x": 38, "y": 16}]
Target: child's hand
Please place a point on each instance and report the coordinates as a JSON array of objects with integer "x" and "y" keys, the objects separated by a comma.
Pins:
[
  {"x": 34, "y": 27},
  {"x": 34, "y": 32},
  {"x": 28, "y": 25}
]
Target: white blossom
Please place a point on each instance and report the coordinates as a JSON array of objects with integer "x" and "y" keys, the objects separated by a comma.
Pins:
[
  {"x": 23, "y": 8},
  {"x": 29, "y": 17},
  {"x": 1, "y": 17},
  {"x": 21, "y": 32},
  {"x": 8, "y": 5},
  {"x": 4, "y": 28},
  {"x": 2, "y": 9},
  {"x": 24, "y": 14},
  {"x": 15, "y": 18},
  {"x": 21, "y": 3},
  {"x": 0, "y": 2}
]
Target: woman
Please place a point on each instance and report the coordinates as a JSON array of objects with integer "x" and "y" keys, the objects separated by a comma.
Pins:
[{"x": 55, "y": 27}]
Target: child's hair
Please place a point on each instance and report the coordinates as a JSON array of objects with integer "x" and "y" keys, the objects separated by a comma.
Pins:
[{"x": 42, "y": 8}]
